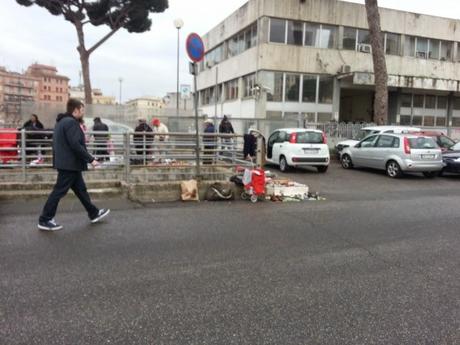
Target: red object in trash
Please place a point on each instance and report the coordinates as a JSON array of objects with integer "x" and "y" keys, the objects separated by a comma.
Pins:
[
  {"x": 258, "y": 181},
  {"x": 8, "y": 140}
]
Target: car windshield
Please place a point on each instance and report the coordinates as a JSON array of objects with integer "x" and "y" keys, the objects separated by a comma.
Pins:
[
  {"x": 456, "y": 147},
  {"x": 446, "y": 142},
  {"x": 422, "y": 143},
  {"x": 363, "y": 133},
  {"x": 309, "y": 138}
]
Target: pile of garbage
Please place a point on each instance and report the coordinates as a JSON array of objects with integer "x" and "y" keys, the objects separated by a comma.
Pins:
[{"x": 273, "y": 189}]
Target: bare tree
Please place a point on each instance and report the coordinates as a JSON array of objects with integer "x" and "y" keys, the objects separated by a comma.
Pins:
[
  {"x": 380, "y": 67},
  {"x": 132, "y": 15}
]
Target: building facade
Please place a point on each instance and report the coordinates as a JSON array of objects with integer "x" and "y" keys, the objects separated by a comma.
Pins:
[
  {"x": 52, "y": 88},
  {"x": 78, "y": 92},
  {"x": 144, "y": 107},
  {"x": 310, "y": 61},
  {"x": 16, "y": 90}
]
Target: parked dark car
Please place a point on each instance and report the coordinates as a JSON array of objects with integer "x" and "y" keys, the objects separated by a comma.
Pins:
[
  {"x": 443, "y": 141},
  {"x": 451, "y": 160}
]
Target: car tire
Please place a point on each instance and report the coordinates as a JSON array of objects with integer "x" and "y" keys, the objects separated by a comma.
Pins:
[
  {"x": 393, "y": 169},
  {"x": 441, "y": 173},
  {"x": 346, "y": 161},
  {"x": 284, "y": 166},
  {"x": 322, "y": 169},
  {"x": 430, "y": 174}
]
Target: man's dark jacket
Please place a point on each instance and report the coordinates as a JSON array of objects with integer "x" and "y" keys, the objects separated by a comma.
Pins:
[
  {"x": 101, "y": 127},
  {"x": 69, "y": 148}
]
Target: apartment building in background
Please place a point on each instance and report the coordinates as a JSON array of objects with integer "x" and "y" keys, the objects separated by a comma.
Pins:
[
  {"x": 310, "y": 61},
  {"x": 53, "y": 88},
  {"x": 16, "y": 90}
]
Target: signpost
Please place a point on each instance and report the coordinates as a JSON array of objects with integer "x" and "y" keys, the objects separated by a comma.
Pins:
[{"x": 195, "y": 51}]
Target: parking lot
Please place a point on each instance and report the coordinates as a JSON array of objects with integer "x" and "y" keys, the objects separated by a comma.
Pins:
[{"x": 376, "y": 263}]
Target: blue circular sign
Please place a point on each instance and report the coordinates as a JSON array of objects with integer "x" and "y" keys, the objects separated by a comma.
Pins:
[{"x": 195, "y": 47}]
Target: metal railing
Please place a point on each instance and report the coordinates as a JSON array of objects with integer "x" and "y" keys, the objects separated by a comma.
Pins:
[{"x": 27, "y": 155}]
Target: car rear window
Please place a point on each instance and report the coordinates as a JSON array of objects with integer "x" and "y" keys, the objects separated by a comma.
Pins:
[
  {"x": 422, "y": 143},
  {"x": 309, "y": 138}
]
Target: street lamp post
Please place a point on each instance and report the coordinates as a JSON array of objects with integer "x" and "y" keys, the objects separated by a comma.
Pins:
[
  {"x": 120, "y": 80},
  {"x": 178, "y": 23}
]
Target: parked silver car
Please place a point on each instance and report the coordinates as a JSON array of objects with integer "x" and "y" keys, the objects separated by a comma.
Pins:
[{"x": 396, "y": 154}]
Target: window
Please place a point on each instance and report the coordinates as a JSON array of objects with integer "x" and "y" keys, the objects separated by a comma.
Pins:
[
  {"x": 328, "y": 37},
  {"x": 446, "y": 51},
  {"x": 457, "y": 103},
  {"x": 430, "y": 102},
  {"x": 385, "y": 141},
  {"x": 417, "y": 120},
  {"x": 292, "y": 87},
  {"x": 309, "y": 89},
  {"x": 442, "y": 102},
  {"x": 311, "y": 34},
  {"x": 254, "y": 35},
  {"x": 309, "y": 138},
  {"x": 422, "y": 48},
  {"x": 324, "y": 117},
  {"x": 456, "y": 121},
  {"x": 422, "y": 143},
  {"x": 295, "y": 33},
  {"x": 440, "y": 121},
  {"x": 326, "y": 90},
  {"x": 249, "y": 83},
  {"x": 349, "y": 39},
  {"x": 409, "y": 46},
  {"x": 274, "y": 83},
  {"x": 231, "y": 90},
  {"x": 406, "y": 101},
  {"x": 369, "y": 142},
  {"x": 393, "y": 42},
  {"x": 405, "y": 120},
  {"x": 428, "y": 121},
  {"x": 277, "y": 30},
  {"x": 241, "y": 43},
  {"x": 418, "y": 101},
  {"x": 364, "y": 37},
  {"x": 433, "y": 52},
  {"x": 233, "y": 47}
]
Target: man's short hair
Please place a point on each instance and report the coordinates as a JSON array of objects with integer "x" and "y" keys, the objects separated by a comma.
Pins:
[{"x": 73, "y": 104}]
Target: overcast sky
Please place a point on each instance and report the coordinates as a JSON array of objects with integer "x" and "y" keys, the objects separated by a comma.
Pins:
[{"x": 146, "y": 62}]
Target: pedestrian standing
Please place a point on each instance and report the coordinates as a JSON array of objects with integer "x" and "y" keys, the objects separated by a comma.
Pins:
[
  {"x": 143, "y": 138},
  {"x": 70, "y": 158},
  {"x": 101, "y": 139},
  {"x": 209, "y": 141},
  {"x": 34, "y": 140},
  {"x": 226, "y": 127},
  {"x": 161, "y": 131}
]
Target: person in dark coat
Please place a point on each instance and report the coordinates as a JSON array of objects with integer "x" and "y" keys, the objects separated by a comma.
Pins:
[
  {"x": 209, "y": 141},
  {"x": 142, "y": 139},
  {"x": 101, "y": 139},
  {"x": 225, "y": 126},
  {"x": 70, "y": 158},
  {"x": 33, "y": 140}
]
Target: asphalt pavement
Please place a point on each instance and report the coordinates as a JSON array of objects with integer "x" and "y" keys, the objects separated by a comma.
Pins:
[{"x": 378, "y": 262}]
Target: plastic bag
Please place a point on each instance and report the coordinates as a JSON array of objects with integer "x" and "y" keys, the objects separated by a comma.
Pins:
[{"x": 189, "y": 190}]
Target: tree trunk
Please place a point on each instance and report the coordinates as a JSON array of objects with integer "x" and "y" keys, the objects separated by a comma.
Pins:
[
  {"x": 84, "y": 59},
  {"x": 380, "y": 68}
]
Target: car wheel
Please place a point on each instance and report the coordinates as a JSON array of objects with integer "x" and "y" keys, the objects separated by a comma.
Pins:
[
  {"x": 284, "y": 167},
  {"x": 322, "y": 169},
  {"x": 430, "y": 174},
  {"x": 346, "y": 162},
  {"x": 393, "y": 169},
  {"x": 441, "y": 173}
]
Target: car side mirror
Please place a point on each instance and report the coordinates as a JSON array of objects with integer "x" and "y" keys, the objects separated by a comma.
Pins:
[{"x": 358, "y": 145}]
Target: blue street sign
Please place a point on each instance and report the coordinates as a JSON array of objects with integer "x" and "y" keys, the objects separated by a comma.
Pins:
[{"x": 195, "y": 47}]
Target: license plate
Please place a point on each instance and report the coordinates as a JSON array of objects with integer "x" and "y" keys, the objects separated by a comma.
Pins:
[
  {"x": 310, "y": 150},
  {"x": 428, "y": 156}
]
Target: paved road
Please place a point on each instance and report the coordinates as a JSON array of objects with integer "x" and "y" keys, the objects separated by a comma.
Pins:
[{"x": 377, "y": 263}]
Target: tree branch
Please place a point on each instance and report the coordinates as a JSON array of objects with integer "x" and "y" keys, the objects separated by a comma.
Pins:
[{"x": 102, "y": 40}]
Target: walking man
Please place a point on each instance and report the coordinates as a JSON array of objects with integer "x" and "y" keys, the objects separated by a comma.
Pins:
[{"x": 70, "y": 158}]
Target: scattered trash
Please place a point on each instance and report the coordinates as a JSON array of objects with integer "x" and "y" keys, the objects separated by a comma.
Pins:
[{"x": 217, "y": 192}]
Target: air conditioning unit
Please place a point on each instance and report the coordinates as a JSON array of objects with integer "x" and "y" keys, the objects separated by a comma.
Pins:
[
  {"x": 365, "y": 48},
  {"x": 345, "y": 69}
]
